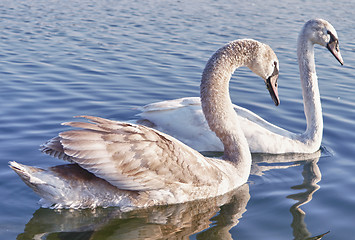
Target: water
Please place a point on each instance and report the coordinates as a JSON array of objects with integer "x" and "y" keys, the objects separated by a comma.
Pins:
[{"x": 59, "y": 59}]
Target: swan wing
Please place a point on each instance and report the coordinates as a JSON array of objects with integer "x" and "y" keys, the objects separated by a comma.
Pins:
[
  {"x": 248, "y": 117},
  {"x": 183, "y": 119},
  {"x": 194, "y": 104},
  {"x": 132, "y": 157},
  {"x": 171, "y": 104}
]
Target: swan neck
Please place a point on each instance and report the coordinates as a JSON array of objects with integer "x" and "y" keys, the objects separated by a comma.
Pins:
[
  {"x": 217, "y": 105},
  {"x": 310, "y": 89}
]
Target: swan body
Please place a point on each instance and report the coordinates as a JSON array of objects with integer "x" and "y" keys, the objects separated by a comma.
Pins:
[
  {"x": 134, "y": 166},
  {"x": 183, "y": 118}
]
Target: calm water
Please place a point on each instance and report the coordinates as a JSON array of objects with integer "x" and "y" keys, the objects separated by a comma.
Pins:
[{"x": 107, "y": 58}]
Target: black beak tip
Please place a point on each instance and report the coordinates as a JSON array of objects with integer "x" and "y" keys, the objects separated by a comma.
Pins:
[
  {"x": 335, "y": 52},
  {"x": 275, "y": 98},
  {"x": 273, "y": 92}
]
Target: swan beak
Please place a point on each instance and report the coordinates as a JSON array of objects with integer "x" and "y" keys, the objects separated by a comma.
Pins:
[
  {"x": 271, "y": 85},
  {"x": 333, "y": 47}
]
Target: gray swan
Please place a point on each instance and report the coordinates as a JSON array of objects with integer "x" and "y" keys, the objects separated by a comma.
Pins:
[{"x": 133, "y": 166}]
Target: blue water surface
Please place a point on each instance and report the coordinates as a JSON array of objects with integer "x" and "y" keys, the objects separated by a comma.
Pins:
[{"x": 107, "y": 58}]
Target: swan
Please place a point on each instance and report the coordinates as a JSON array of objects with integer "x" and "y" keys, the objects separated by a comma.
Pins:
[
  {"x": 183, "y": 119},
  {"x": 133, "y": 166}
]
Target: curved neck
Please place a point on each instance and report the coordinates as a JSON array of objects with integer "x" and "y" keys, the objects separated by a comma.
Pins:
[
  {"x": 310, "y": 90},
  {"x": 217, "y": 105}
]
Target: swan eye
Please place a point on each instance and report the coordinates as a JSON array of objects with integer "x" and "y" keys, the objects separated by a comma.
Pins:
[{"x": 333, "y": 39}]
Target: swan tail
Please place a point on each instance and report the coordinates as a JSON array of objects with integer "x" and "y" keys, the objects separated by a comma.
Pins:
[
  {"x": 34, "y": 178},
  {"x": 27, "y": 174},
  {"x": 70, "y": 186}
]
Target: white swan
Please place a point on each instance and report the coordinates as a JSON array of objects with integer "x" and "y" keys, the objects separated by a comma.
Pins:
[
  {"x": 132, "y": 166},
  {"x": 183, "y": 118}
]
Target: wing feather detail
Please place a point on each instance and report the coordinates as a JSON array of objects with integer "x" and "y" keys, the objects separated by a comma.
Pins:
[{"x": 132, "y": 157}]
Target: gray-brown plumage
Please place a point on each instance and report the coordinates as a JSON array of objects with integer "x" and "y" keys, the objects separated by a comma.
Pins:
[{"x": 132, "y": 166}]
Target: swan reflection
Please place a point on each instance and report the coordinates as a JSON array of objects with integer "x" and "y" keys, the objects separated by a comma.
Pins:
[
  {"x": 160, "y": 222},
  {"x": 206, "y": 219},
  {"x": 311, "y": 176}
]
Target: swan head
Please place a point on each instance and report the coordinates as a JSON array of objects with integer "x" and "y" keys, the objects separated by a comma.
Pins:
[
  {"x": 266, "y": 65},
  {"x": 321, "y": 32}
]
